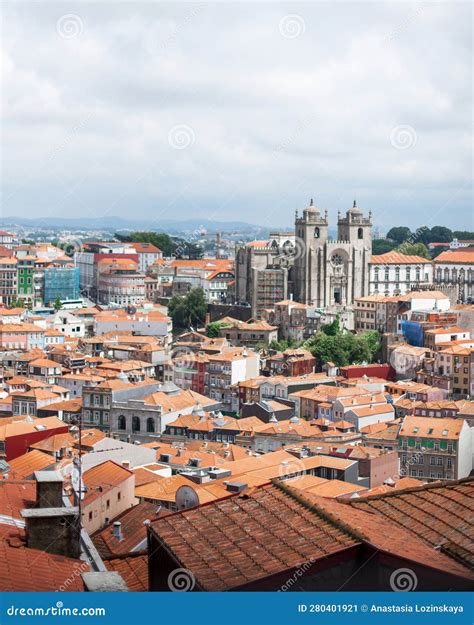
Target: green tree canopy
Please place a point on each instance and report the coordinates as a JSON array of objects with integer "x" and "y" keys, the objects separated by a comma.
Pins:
[
  {"x": 170, "y": 246},
  {"x": 463, "y": 235},
  {"x": 440, "y": 234},
  {"x": 213, "y": 328},
  {"x": 57, "y": 304},
  {"x": 399, "y": 234},
  {"x": 344, "y": 348},
  {"x": 414, "y": 249},
  {"x": 189, "y": 310},
  {"x": 382, "y": 246}
]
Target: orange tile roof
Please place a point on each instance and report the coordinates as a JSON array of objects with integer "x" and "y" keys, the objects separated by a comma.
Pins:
[
  {"x": 14, "y": 496},
  {"x": 24, "y": 466},
  {"x": 447, "y": 428},
  {"x": 461, "y": 257},
  {"x": 133, "y": 570},
  {"x": 29, "y": 570},
  {"x": 133, "y": 529},
  {"x": 396, "y": 258},
  {"x": 437, "y": 512},
  {"x": 106, "y": 475}
]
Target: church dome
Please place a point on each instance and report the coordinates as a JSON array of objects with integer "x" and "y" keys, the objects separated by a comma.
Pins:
[
  {"x": 312, "y": 211},
  {"x": 355, "y": 210}
]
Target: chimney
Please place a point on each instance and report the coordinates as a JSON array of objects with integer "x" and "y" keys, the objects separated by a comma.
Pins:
[
  {"x": 51, "y": 526},
  {"x": 117, "y": 530},
  {"x": 49, "y": 489},
  {"x": 126, "y": 464}
]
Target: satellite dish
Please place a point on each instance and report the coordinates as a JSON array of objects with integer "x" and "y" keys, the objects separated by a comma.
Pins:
[{"x": 186, "y": 497}]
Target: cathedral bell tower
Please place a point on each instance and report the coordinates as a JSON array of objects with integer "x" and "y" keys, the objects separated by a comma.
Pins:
[{"x": 311, "y": 232}]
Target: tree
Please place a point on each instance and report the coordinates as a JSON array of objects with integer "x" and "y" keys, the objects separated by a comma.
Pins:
[
  {"x": 284, "y": 344},
  {"x": 414, "y": 249},
  {"x": 441, "y": 234},
  {"x": 57, "y": 304},
  {"x": 213, "y": 328},
  {"x": 399, "y": 234},
  {"x": 463, "y": 235},
  {"x": 344, "y": 348},
  {"x": 161, "y": 240},
  {"x": 189, "y": 310},
  {"x": 332, "y": 329},
  {"x": 382, "y": 246}
]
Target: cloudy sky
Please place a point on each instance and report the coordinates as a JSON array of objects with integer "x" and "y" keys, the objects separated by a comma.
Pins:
[{"x": 238, "y": 110}]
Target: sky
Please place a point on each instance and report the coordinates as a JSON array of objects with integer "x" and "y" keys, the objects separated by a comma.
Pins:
[{"x": 238, "y": 111}]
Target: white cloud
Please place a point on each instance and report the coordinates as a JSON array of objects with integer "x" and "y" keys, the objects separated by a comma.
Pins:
[{"x": 275, "y": 119}]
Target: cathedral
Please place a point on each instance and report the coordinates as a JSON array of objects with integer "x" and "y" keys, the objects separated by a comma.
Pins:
[
  {"x": 307, "y": 265},
  {"x": 326, "y": 271}
]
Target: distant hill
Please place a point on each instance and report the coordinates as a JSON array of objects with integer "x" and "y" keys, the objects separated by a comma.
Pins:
[{"x": 120, "y": 223}]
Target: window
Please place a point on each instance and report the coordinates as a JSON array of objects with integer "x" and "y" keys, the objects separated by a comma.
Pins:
[
  {"x": 135, "y": 424},
  {"x": 119, "y": 496},
  {"x": 150, "y": 425},
  {"x": 360, "y": 233},
  {"x": 122, "y": 422}
]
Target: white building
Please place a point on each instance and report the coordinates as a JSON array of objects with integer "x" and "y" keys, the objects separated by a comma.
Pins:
[
  {"x": 226, "y": 369},
  {"x": 369, "y": 415},
  {"x": 68, "y": 324},
  {"x": 456, "y": 268},
  {"x": 147, "y": 255},
  {"x": 396, "y": 274},
  {"x": 149, "y": 323}
]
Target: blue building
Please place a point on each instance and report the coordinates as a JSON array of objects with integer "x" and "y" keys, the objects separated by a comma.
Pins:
[{"x": 62, "y": 283}]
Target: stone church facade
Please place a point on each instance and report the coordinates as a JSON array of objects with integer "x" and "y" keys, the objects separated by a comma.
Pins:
[
  {"x": 329, "y": 272},
  {"x": 309, "y": 266}
]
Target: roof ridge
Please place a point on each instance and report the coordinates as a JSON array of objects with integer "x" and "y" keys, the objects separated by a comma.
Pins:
[
  {"x": 315, "y": 508},
  {"x": 411, "y": 489}
]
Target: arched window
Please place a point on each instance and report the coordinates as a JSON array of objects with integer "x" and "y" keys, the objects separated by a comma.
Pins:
[
  {"x": 135, "y": 424},
  {"x": 360, "y": 233},
  {"x": 316, "y": 233},
  {"x": 122, "y": 422},
  {"x": 150, "y": 425}
]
